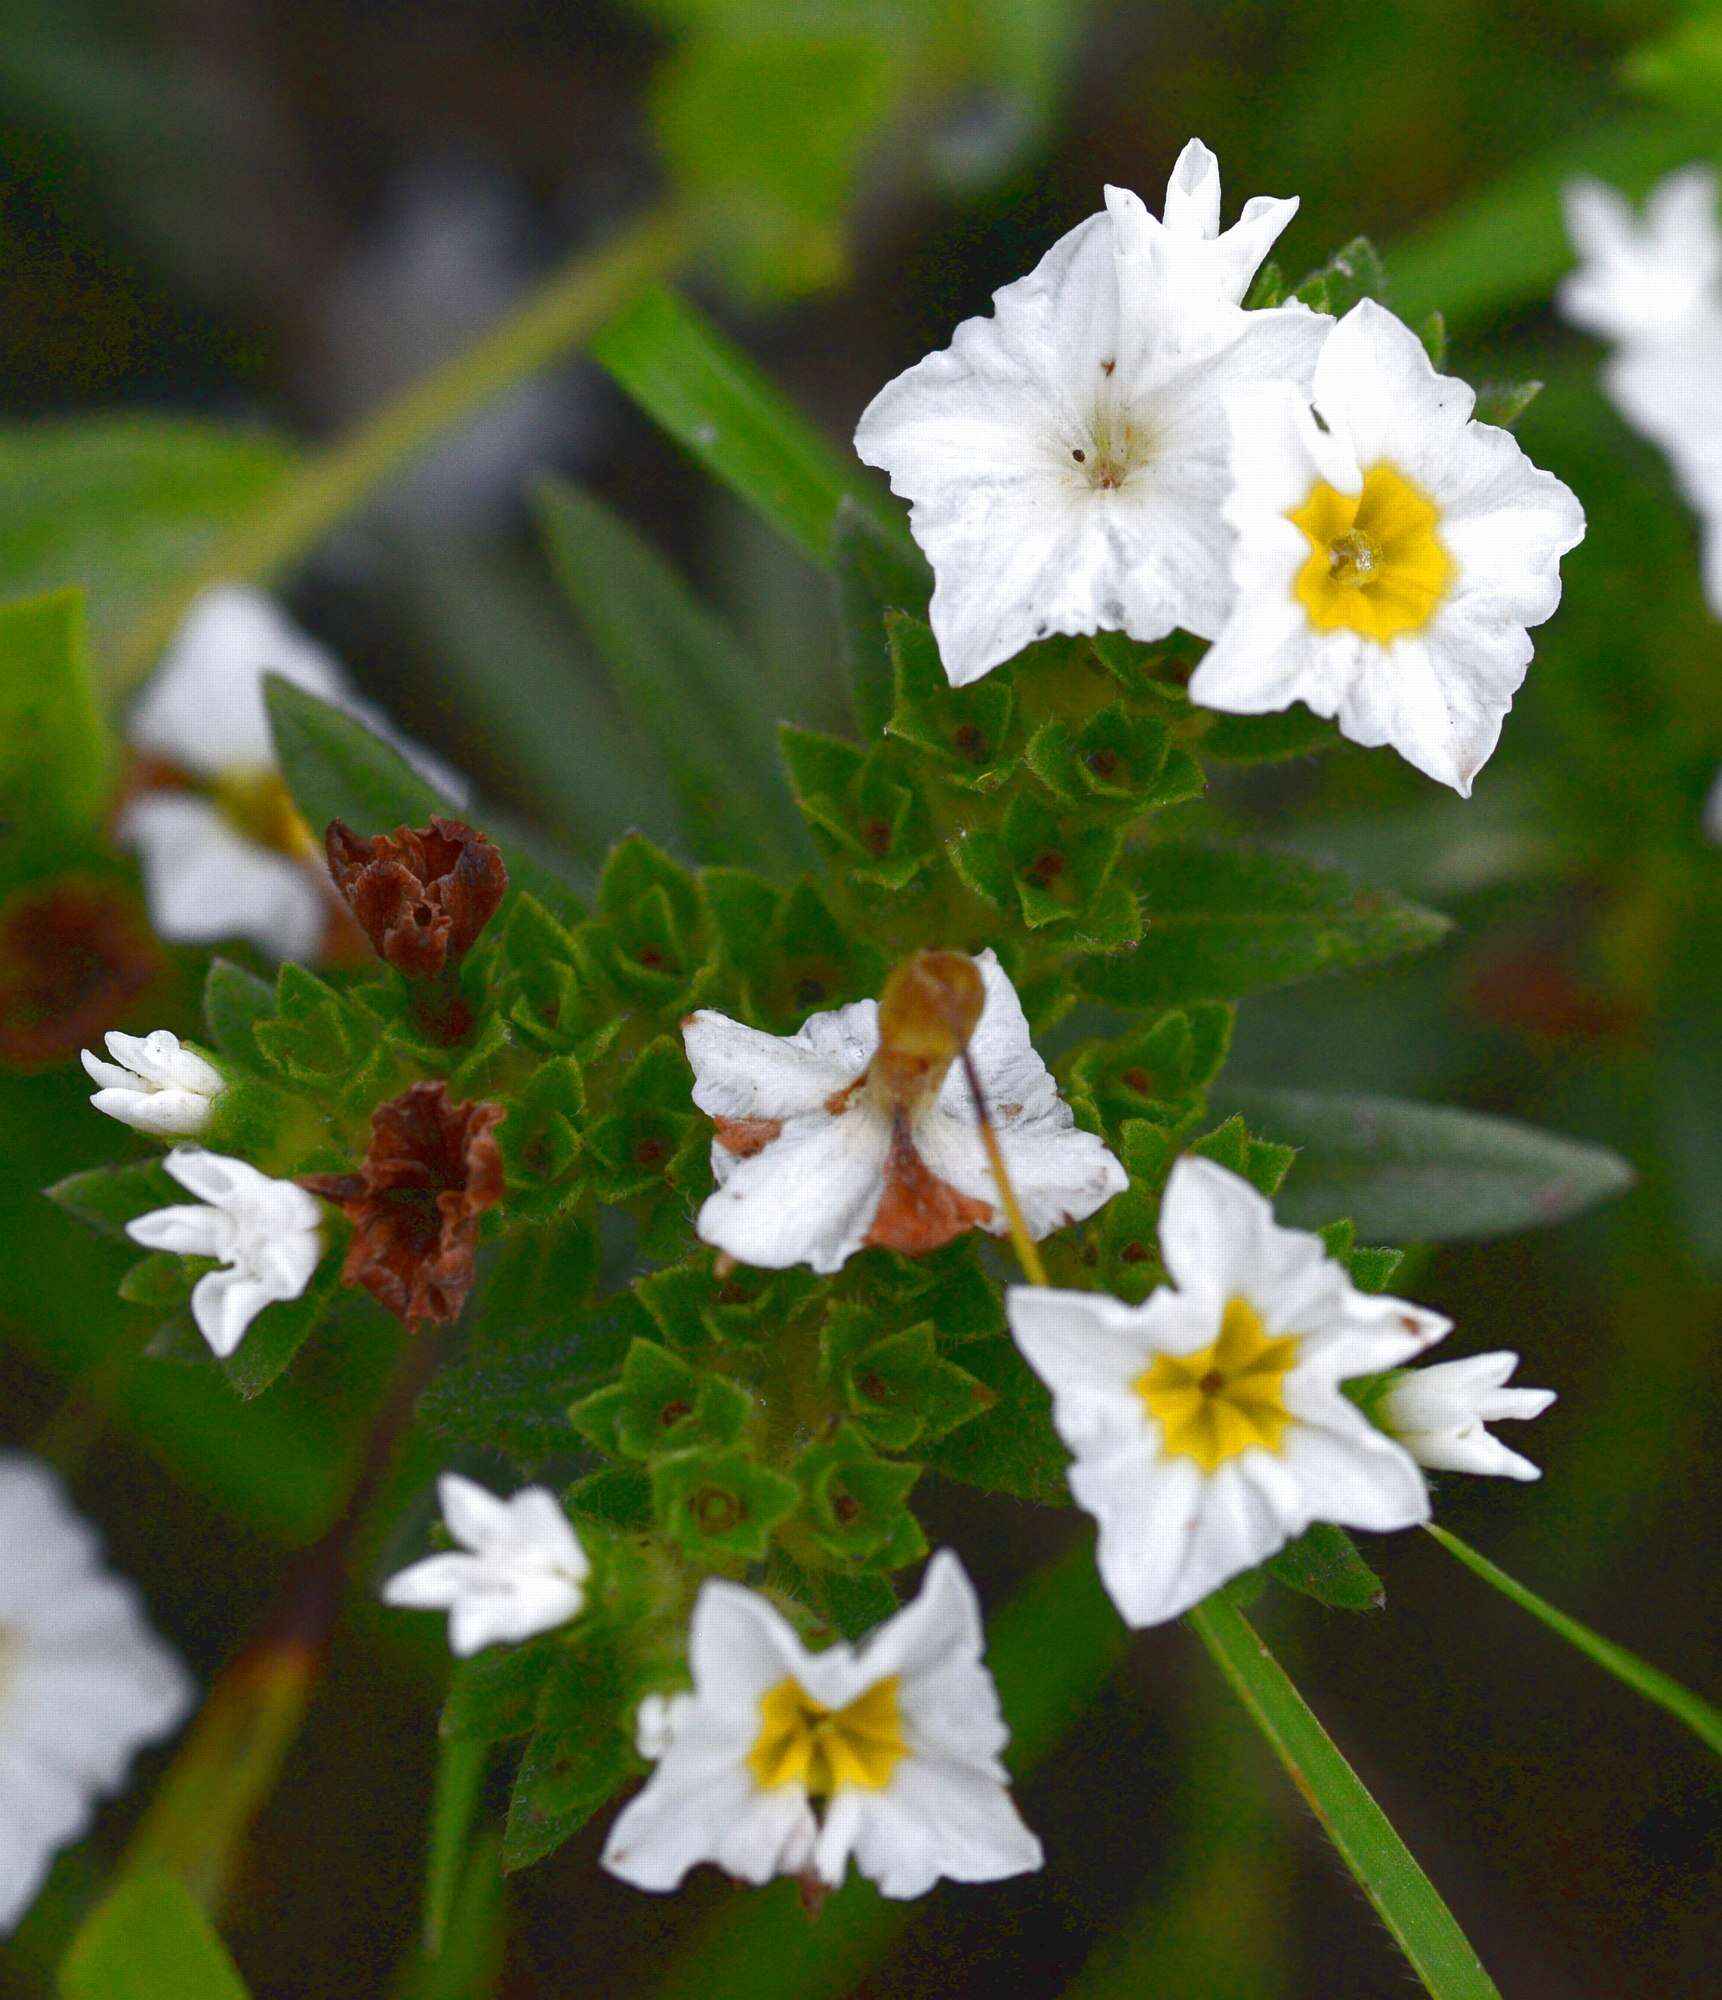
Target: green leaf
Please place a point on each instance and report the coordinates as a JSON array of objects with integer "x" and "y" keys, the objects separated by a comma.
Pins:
[
  {"x": 234, "y": 1001},
  {"x": 1269, "y": 739},
  {"x": 1220, "y": 922},
  {"x": 857, "y": 1503},
  {"x": 876, "y": 574},
  {"x": 56, "y": 756},
  {"x": 126, "y": 506},
  {"x": 1704, "y": 1720},
  {"x": 1013, "y": 1448},
  {"x": 494, "y": 1696},
  {"x": 148, "y": 1940},
  {"x": 580, "y": 1752},
  {"x": 1352, "y": 273},
  {"x": 1323, "y": 1563},
  {"x": 681, "y": 676},
  {"x": 729, "y": 415},
  {"x": 278, "y": 1332},
  {"x": 455, "y": 1796},
  {"x": 1504, "y": 403},
  {"x": 720, "y": 1503},
  {"x": 107, "y": 1198},
  {"x": 662, "y": 1404},
  {"x": 1422, "y": 1171},
  {"x": 1398, "y": 1890},
  {"x": 766, "y": 130}
]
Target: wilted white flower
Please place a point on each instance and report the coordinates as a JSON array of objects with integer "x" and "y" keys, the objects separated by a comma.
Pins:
[
  {"x": 267, "y": 1234},
  {"x": 521, "y": 1569},
  {"x": 154, "y": 1084},
  {"x": 1065, "y": 458},
  {"x": 813, "y": 1163},
  {"x": 899, "y": 1739},
  {"x": 1208, "y": 1424},
  {"x": 223, "y": 850},
  {"x": 84, "y": 1682},
  {"x": 1438, "y": 1413},
  {"x": 1388, "y": 553}
]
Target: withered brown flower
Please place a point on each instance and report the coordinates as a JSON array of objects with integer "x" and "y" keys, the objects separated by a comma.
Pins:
[
  {"x": 74, "y": 955},
  {"x": 421, "y": 895},
  {"x": 432, "y": 1169}
]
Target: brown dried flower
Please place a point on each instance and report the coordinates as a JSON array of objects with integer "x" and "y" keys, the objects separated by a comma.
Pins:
[
  {"x": 422, "y": 894},
  {"x": 74, "y": 955},
  {"x": 432, "y": 1169}
]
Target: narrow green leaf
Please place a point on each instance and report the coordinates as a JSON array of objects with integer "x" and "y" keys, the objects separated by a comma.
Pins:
[
  {"x": 1220, "y": 922},
  {"x": 1504, "y": 403},
  {"x": 149, "y": 1941},
  {"x": 1699, "y": 1716},
  {"x": 56, "y": 757},
  {"x": 1423, "y": 1171},
  {"x": 1323, "y": 1563},
  {"x": 460, "y": 1767},
  {"x": 724, "y": 411},
  {"x": 1401, "y": 1894},
  {"x": 682, "y": 677}
]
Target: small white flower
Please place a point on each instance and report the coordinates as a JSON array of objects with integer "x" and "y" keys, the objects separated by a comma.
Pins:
[
  {"x": 899, "y": 1738},
  {"x": 267, "y": 1234},
  {"x": 1208, "y": 1424},
  {"x": 522, "y": 1570},
  {"x": 1438, "y": 1414},
  {"x": 1388, "y": 556},
  {"x": 1065, "y": 458},
  {"x": 223, "y": 851},
  {"x": 84, "y": 1682},
  {"x": 811, "y": 1166},
  {"x": 154, "y": 1084}
]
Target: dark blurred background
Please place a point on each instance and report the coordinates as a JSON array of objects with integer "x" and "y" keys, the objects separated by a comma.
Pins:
[{"x": 282, "y": 211}]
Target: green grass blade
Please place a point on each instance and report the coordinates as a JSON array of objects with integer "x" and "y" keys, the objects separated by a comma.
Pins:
[
  {"x": 1402, "y": 1895},
  {"x": 460, "y": 1769},
  {"x": 736, "y": 424},
  {"x": 1698, "y": 1715}
]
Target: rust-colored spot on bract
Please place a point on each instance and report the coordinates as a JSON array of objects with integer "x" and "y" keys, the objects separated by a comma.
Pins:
[
  {"x": 432, "y": 1169},
  {"x": 840, "y": 1100},
  {"x": 674, "y": 1413},
  {"x": 1133, "y": 1253},
  {"x": 746, "y": 1136},
  {"x": 74, "y": 955},
  {"x": 919, "y": 1212},
  {"x": 876, "y": 838},
  {"x": 716, "y": 1511},
  {"x": 846, "y": 1508},
  {"x": 422, "y": 894},
  {"x": 1103, "y": 763},
  {"x": 1045, "y": 869}
]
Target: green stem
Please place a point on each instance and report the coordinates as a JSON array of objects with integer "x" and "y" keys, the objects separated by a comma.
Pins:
[
  {"x": 1403, "y": 1896},
  {"x": 578, "y": 299},
  {"x": 1698, "y": 1715}
]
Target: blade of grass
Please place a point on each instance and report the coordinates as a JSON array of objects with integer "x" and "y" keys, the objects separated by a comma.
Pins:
[
  {"x": 1699, "y": 1716},
  {"x": 460, "y": 1769},
  {"x": 1402, "y": 1895},
  {"x": 736, "y": 424}
]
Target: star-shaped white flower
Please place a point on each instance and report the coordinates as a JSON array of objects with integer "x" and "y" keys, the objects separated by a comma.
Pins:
[
  {"x": 1438, "y": 1413},
  {"x": 521, "y": 1569},
  {"x": 154, "y": 1084},
  {"x": 267, "y": 1234},
  {"x": 84, "y": 1682},
  {"x": 1654, "y": 287},
  {"x": 812, "y": 1165},
  {"x": 224, "y": 854},
  {"x": 1208, "y": 1424},
  {"x": 1065, "y": 458},
  {"x": 898, "y": 1738},
  {"x": 1387, "y": 555}
]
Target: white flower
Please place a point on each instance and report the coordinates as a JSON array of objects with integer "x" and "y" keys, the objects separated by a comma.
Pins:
[
  {"x": 812, "y": 1166},
  {"x": 1065, "y": 458},
  {"x": 1438, "y": 1414},
  {"x": 84, "y": 1682},
  {"x": 1388, "y": 556},
  {"x": 267, "y": 1234},
  {"x": 223, "y": 851},
  {"x": 154, "y": 1084},
  {"x": 523, "y": 1570},
  {"x": 1208, "y": 1424},
  {"x": 899, "y": 1738}
]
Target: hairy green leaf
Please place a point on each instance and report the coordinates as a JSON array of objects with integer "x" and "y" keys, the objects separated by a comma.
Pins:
[{"x": 148, "y": 1940}]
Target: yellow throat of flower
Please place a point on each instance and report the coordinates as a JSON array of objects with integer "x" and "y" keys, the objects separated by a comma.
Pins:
[
  {"x": 257, "y": 803},
  {"x": 1226, "y": 1398},
  {"x": 1376, "y": 564},
  {"x": 802, "y": 1742}
]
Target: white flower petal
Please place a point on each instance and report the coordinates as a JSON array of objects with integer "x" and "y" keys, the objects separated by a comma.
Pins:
[
  {"x": 186, "y": 1231},
  {"x": 744, "y": 1073},
  {"x": 522, "y": 1570},
  {"x": 809, "y": 1198},
  {"x": 1438, "y": 1414},
  {"x": 205, "y": 881}
]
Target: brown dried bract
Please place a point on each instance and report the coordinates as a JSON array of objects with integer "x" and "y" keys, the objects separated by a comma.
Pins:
[
  {"x": 74, "y": 955},
  {"x": 919, "y": 1212},
  {"x": 421, "y": 894},
  {"x": 432, "y": 1169}
]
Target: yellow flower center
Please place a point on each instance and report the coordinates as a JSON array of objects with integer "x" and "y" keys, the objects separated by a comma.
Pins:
[
  {"x": 256, "y": 801},
  {"x": 802, "y": 1742},
  {"x": 1224, "y": 1399},
  {"x": 1376, "y": 564}
]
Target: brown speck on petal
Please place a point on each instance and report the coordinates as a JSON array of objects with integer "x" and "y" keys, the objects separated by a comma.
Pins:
[
  {"x": 919, "y": 1212},
  {"x": 746, "y": 1136},
  {"x": 422, "y": 894},
  {"x": 74, "y": 955},
  {"x": 432, "y": 1169}
]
